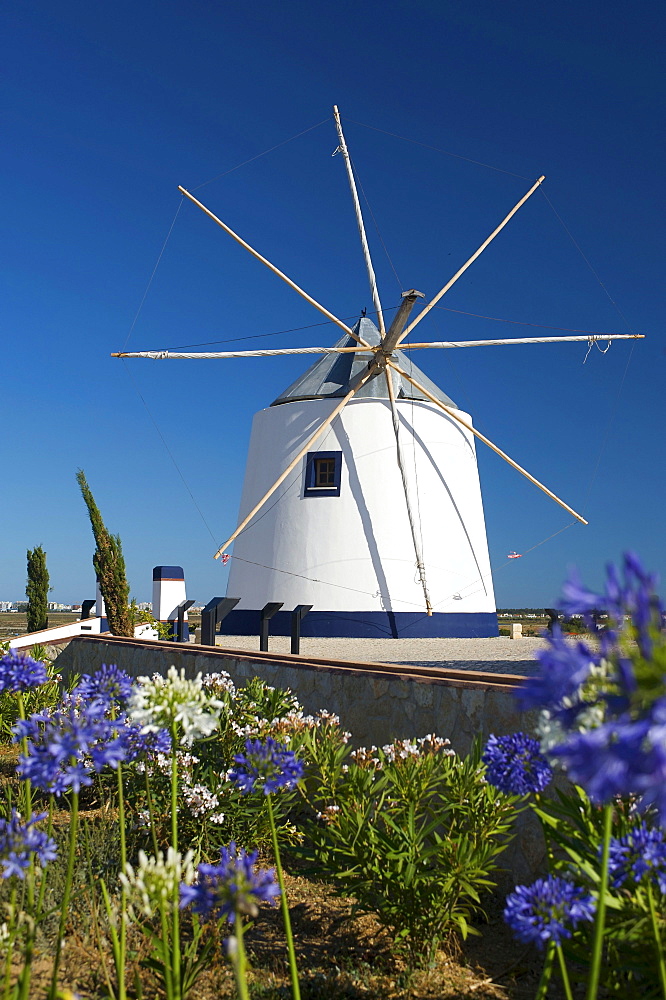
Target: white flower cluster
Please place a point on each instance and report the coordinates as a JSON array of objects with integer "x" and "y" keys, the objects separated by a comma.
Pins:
[
  {"x": 364, "y": 757},
  {"x": 284, "y": 727},
  {"x": 329, "y": 814},
  {"x": 436, "y": 744},
  {"x": 174, "y": 701},
  {"x": 401, "y": 750},
  {"x": 161, "y": 764},
  {"x": 219, "y": 682},
  {"x": 143, "y": 819},
  {"x": 296, "y": 721},
  {"x": 154, "y": 881},
  {"x": 252, "y": 728},
  {"x": 201, "y": 802}
]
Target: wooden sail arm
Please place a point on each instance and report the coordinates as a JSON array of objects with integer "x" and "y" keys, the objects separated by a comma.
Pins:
[
  {"x": 587, "y": 338},
  {"x": 271, "y": 267},
  {"x": 498, "y": 451},
  {"x": 265, "y": 353},
  {"x": 359, "y": 222},
  {"x": 444, "y": 344},
  {"x": 461, "y": 271},
  {"x": 358, "y": 382}
]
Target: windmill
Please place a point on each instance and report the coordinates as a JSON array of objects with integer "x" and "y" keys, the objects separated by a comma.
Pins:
[{"x": 378, "y": 524}]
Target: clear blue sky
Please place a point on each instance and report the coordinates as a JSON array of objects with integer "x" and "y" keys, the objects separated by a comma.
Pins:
[{"x": 108, "y": 107}]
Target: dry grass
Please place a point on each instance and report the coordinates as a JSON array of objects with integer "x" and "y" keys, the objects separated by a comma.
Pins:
[{"x": 339, "y": 958}]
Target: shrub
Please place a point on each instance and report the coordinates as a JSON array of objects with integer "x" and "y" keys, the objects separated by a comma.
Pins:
[{"x": 411, "y": 831}]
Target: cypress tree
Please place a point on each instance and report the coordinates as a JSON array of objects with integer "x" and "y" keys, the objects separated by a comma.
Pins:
[
  {"x": 109, "y": 565},
  {"x": 37, "y": 590}
]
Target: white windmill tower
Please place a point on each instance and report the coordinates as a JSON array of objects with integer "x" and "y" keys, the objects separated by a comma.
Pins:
[{"x": 376, "y": 519}]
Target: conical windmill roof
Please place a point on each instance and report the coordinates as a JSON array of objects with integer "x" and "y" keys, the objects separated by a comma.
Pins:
[{"x": 333, "y": 374}]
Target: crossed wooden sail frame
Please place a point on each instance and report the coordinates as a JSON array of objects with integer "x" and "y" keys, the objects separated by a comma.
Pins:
[{"x": 382, "y": 359}]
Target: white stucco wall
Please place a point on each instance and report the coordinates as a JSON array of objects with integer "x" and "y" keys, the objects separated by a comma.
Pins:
[
  {"x": 358, "y": 545},
  {"x": 167, "y": 595}
]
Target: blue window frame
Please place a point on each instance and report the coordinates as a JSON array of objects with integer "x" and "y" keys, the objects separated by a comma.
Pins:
[{"x": 323, "y": 473}]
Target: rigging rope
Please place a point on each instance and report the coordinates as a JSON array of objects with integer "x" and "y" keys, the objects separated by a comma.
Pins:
[
  {"x": 168, "y": 450},
  {"x": 457, "y": 156},
  {"x": 420, "y": 566},
  {"x": 150, "y": 279},
  {"x": 595, "y": 341},
  {"x": 259, "y": 155},
  {"x": 589, "y": 264},
  {"x": 379, "y": 235}
]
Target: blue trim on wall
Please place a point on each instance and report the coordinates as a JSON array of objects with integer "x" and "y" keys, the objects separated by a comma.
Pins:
[
  {"x": 168, "y": 573},
  {"x": 370, "y": 624},
  {"x": 309, "y": 488}
]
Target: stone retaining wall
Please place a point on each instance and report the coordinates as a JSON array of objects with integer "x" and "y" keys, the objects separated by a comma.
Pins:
[{"x": 376, "y": 702}]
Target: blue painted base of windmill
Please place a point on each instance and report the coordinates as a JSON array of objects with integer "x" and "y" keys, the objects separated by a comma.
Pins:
[{"x": 370, "y": 624}]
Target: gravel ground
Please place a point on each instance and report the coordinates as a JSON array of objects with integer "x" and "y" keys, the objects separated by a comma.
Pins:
[{"x": 500, "y": 655}]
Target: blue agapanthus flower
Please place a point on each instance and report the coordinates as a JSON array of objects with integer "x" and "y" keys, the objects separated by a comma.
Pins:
[
  {"x": 605, "y": 761},
  {"x": 67, "y": 745},
  {"x": 548, "y": 910},
  {"x": 613, "y": 738},
  {"x": 565, "y": 666},
  {"x": 634, "y": 611},
  {"x": 624, "y": 756},
  {"x": 266, "y": 765},
  {"x": 515, "y": 764},
  {"x": 234, "y": 886},
  {"x": 140, "y": 745},
  {"x": 19, "y": 672},
  {"x": 628, "y": 598},
  {"x": 639, "y": 855},
  {"x": 110, "y": 684},
  {"x": 19, "y": 841}
]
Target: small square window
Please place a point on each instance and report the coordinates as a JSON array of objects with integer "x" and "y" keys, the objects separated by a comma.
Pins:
[{"x": 323, "y": 471}]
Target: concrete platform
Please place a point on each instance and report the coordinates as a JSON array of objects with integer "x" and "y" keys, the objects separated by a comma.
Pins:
[{"x": 499, "y": 655}]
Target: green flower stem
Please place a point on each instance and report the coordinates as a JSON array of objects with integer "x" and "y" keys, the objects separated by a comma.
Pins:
[
  {"x": 175, "y": 942},
  {"x": 597, "y": 945},
  {"x": 542, "y": 988},
  {"x": 24, "y": 747},
  {"x": 564, "y": 973},
  {"x": 151, "y": 814},
  {"x": 49, "y": 833},
  {"x": 293, "y": 970},
  {"x": 26, "y": 972},
  {"x": 657, "y": 941},
  {"x": 239, "y": 959},
  {"x": 166, "y": 954},
  {"x": 120, "y": 965},
  {"x": 545, "y": 829},
  {"x": 174, "y": 788},
  {"x": 64, "y": 906},
  {"x": 6, "y": 987}
]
